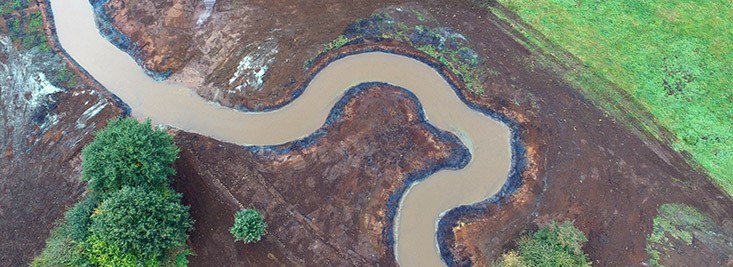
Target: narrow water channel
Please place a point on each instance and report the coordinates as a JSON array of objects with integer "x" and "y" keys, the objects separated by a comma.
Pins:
[{"x": 422, "y": 205}]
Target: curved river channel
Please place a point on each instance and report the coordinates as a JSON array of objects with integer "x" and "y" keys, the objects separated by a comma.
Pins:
[{"x": 421, "y": 207}]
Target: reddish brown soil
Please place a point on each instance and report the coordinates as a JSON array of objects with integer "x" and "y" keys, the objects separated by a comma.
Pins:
[
  {"x": 204, "y": 57},
  {"x": 326, "y": 203}
]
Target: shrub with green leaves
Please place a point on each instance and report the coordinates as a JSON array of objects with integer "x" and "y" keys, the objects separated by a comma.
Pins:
[
  {"x": 61, "y": 250},
  {"x": 552, "y": 245},
  {"x": 143, "y": 223},
  {"x": 100, "y": 253},
  {"x": 131, "y": 216},
  {"x": 67, "y": 241},
  {"x": 78, "y": 218},
  {"x": 128, "y": 153},
  {"x": 249, "y": 226}
]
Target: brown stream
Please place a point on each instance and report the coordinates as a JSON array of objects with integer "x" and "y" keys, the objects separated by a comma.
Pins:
[{"x": 423, "y": 204}]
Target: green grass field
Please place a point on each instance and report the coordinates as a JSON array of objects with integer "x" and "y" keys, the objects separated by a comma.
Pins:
[{"x": 673, "y": 57}]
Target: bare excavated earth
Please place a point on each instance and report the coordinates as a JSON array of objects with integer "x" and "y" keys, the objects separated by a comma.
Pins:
[
  {"x": 325, "y": 199},
  {"x": 582, "y": 166}
]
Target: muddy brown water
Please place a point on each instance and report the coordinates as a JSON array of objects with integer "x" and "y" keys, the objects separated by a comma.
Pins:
[{"x": 422, "y": 205}]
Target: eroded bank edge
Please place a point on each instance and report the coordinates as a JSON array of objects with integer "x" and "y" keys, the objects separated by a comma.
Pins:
[
  {"x": 56, "y": 47},
  {"x": 122, "y": 41}
]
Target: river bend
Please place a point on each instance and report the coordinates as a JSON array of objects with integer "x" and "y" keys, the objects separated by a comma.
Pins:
[{"x": 422, "y": 205}]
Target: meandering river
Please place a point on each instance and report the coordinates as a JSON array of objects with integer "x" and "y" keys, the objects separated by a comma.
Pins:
[{"x": 415, "y": 229}]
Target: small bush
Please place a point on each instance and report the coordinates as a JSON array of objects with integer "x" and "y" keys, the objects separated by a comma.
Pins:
[
  {"x": 78, "y": 218},
  {"x": 143, "y": 223},
  {"x": 249, "y": 226},
  {"x": 128, "y": 153},
  {"x": 552, "y": 245}
]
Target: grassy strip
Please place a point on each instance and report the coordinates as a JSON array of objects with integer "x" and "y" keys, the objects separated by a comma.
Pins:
[{"x": 669, "y": 57}]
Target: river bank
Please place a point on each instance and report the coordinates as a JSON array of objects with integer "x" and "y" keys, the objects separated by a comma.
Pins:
[{"x": 48, "y": 111}]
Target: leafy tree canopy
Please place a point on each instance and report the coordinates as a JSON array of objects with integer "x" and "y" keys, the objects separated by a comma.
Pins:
[
  {"x": 78, "y": 218},
  {"x": 249, "y": 226},
  {"x": 143, "y": 223},
  {"x": 128, "y": 153},
  {"x": 552, "y": 245}
]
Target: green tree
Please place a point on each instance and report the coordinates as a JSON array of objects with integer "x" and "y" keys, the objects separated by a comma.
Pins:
[
  {"x": 552, "y": 245},
  {"x": 249, "y": 226},
  {"x": 66, "y": 243},
  {"x": 142, "y": 223},
  {"x": 128, "y": 153},
  {"x": 78, "y": 218},
  {"x": 105, "y": 254}
]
